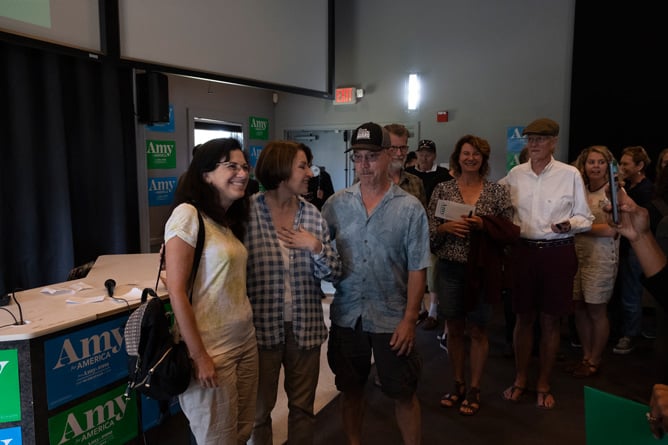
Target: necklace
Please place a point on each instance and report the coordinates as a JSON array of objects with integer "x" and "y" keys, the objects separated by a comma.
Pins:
[{"x": 597, "y": 188}]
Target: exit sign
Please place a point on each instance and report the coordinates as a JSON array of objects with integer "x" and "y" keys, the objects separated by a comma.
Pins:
[{"x": 345, "y": 96}]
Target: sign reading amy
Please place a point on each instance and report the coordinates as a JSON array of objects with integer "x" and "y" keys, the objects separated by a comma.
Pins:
[
  {"x": 259, "y": 128},
  {"x": 160, "y": 154},
  {"x": 254, "y": 154},
  {"x": 83, "y": 361},
  {"x": 515, "y": 142},
  {"x": 108, "y": 419},
  {"x": 161, "y": 191},
  {"x": 11, "y": 436},
  {"x": 10, "y": 402}
]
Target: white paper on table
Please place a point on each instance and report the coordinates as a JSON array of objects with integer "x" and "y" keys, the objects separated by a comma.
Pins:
[
  {"x": 69, "y": 289},
  {"x": 85, "y": 300},
  {"x": 56, "y": 290},
  {"x": 80, "y": 286},
  {"x": 133, "y": 294},
  {"x": 452, "y": 211}
]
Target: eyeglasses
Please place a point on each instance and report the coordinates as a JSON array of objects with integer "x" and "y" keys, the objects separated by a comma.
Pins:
[
  {"x": 234, "y": 166},
  {"x": 369, "y": 157},
  {"x": 537, "y": 139},
  {"x": 399, "y": 147}
]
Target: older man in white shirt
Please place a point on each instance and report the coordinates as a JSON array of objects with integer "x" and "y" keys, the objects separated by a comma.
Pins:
[{"x": 550, "y": 206}]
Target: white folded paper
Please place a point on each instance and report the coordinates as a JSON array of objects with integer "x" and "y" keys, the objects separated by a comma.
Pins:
[
  {"x": 69, "y": 289},
  {"x": 451, "y": 210},
  {"x": 85, "y": 300}
]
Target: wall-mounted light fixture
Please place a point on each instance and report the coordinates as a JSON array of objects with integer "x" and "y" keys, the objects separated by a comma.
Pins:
[
  {"x": 413, "y": 91},
  {"x": 305, "y": 137}
]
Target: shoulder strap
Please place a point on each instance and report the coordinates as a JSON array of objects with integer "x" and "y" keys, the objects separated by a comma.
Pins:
[{"x": 199, "y": 247}]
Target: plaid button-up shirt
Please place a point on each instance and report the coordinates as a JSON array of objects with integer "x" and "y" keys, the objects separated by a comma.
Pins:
[{"x": 266, "y": 276}]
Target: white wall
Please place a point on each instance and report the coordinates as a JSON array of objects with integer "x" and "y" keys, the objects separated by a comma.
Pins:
[{"x": 490, "y": 64}]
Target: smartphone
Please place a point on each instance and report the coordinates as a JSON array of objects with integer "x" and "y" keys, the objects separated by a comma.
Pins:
[{"x": 612, "y": 178}]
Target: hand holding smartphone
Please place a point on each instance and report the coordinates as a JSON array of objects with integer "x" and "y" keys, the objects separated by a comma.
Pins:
[{"x": 613, "y": 181}]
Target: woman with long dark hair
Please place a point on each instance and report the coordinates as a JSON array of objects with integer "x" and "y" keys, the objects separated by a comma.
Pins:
[{"x": 217, "y": 325}]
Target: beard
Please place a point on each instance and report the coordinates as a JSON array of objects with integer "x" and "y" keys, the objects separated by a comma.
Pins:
[{"x": 396, "y": 165}]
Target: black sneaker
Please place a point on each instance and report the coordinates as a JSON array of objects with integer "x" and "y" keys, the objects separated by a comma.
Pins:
[{"x": 624, "y": 346}]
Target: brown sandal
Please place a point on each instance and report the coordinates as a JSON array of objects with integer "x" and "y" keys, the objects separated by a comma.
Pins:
[
  {"x": 455, "y": 397},
  {"x": 586, "y": 370},
  {"x": 513, "y": 393},
  {"x": 575, "y": 366},
  {"x": 471, "y": 404}
]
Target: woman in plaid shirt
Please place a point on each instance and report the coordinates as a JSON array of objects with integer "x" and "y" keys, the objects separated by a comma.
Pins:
[{"x": 289, "y": 252}]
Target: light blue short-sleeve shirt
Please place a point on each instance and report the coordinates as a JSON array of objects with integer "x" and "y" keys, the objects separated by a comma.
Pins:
[{"x": 377, "y": 251}]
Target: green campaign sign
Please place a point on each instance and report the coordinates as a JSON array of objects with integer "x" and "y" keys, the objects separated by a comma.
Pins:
[
  {"x": 259, "y": 128},
  {"x": 10, "y": 402},
  {"x": 108, "y": 419},
  {"x": 160, "y": 154}
]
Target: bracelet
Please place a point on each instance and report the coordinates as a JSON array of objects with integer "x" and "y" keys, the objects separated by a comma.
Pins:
[{"x": 651, "y": 418}]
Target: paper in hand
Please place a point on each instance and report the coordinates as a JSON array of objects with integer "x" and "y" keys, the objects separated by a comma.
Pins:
[{"x": 451, "y": 210}]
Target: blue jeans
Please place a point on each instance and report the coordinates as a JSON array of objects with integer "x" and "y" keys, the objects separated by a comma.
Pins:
[
  {"x": 302, "y": 369},
  {"x": 631, "y": 291}
]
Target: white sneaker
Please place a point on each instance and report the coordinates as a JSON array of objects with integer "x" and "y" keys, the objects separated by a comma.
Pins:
[
  {"x": 624, "y": 346},
  {"x": 443, "y": 343}
]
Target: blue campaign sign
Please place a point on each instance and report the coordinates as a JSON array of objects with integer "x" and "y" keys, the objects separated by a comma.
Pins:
[
  {"x": 11, "y": 435},
  {"x": 253, "y": 154},
  {"x": 83, "y": 361},
  {"x": 514, "y": 139},
  {"x": 515, "y": 142},
  {"x": 165, "y": 127},
  {"x": 161, "y": 191}
]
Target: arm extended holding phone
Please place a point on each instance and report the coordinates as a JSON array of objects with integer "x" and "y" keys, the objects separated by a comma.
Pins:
[{"x": 614, "y": 185}]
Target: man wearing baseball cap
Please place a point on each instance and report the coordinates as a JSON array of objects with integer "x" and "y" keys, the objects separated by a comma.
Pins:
[
  {"x": 382, "y": 236},
  {"x": 431, "y": 174},
  {"x": 550, "y": 206}
]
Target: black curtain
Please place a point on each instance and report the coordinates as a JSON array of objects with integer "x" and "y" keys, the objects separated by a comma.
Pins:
[
  {"x": 619, "y": 92},
  {"x": 68, "y": 177}
]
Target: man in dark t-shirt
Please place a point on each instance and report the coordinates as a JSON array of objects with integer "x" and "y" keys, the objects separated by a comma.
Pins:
[
  {"x": 427, "y": 169},
  {"x": 431, "y": 174}
]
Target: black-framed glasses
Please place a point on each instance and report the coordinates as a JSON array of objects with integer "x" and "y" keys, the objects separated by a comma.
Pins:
[
  {"x": 234, "y": 166},
  {"x": 369, "y": 157}
]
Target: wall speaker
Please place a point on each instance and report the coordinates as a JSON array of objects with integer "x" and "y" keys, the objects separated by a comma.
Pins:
[{"x": 152, "y": 97}]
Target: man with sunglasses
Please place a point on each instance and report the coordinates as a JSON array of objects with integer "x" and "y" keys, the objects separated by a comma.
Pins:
[{"x": 382, "y": 236}]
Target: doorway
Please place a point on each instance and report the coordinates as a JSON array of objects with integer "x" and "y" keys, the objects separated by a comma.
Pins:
[{"x": 329, "y": 145}]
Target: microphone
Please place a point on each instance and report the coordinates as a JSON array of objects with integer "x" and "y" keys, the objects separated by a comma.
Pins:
[{"x": 110, "y": 284}]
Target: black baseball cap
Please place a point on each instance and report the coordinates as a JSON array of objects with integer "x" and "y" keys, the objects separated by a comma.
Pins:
[
  {"x": 370, "y": 136},
  {"x": 426, "y": 144}
]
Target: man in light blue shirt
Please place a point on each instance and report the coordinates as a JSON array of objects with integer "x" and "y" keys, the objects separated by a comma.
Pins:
[{"x": 382, "y": 236}]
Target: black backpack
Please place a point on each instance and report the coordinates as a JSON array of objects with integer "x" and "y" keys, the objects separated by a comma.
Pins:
[{"x": 158, "y": 367}]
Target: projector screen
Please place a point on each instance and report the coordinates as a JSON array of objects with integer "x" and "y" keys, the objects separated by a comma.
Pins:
[
  {"x": 73, "y": 23},
  {"x": 282, "y": 42}
]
